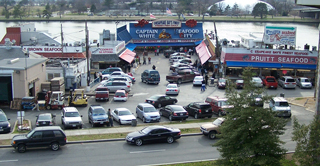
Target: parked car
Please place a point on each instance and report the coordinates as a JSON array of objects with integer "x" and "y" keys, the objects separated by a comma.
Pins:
[
  {"x": 287, "y": 82},
  {"x": 5, "y": 126},
  {"x": 304, "y": 82},
  {"x": 187, "y": 61},
  {"x": 172, "y": 89},
  {"x": 97, "y": 115},
  {"x": 199, "y": 109},
  {"x": 197, "y": 81},
  {"x": 173, "y": 112},
  {"x": 176, "y": 65},
  {"x": 102, "y": 93},
  {"x": 120, "y": 95},
  {"x": 173, "y": 59},
  {"x": 281, "y": 106},
  {"x": 181, "y": 76},
  {"x": 123, "y": 116},
  {"x": 222, "y": 83},
  {"x": 118, "y": 74},
  {"x": 150, "y": 76},
  {"x": 212, "y": 129},
  {"x": 147, "y": 113},
  {"x": 256, "y": 100},
  {"x": 50, "y": 136},
  {"x": 46, "y": 119},
  {"x": 125, "y": 79},
  {"x": 70, "y": 118},
  {"x": 111, "y": 70},
  {"x": 190, "y": 14},
  {"x": 161, "y": 100},
  {"x": 113, "y": 86},
  {"x": 270, "y": 82},
  {"x": 153, "y": 134},
  {"x": 257, "y": 82},
  {"x": 219, "y": 105},
  {"x": 239, "y": 84}
]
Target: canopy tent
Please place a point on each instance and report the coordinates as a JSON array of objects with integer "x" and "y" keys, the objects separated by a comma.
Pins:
[
  {"x": 203, "y": 52},
  {"x": 131, "y": 46},
  {"x": 127, "y": 55}
]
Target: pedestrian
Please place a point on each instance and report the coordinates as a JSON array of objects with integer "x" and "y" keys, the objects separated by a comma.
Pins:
[
  {"x": 36, "y": 106},
  {"x": 158, "y": 51},
  {"x": 202, "y": 71},
  {"x": 206, "y": 78},
  {"x": 212, "y": 78},
  {"x": 155, "y": 52},
  {"x": 144, "y": 60},
  {"x": 129, "y": 67},
  {"x": 110, "y": 66},
  {"x": 110, "y": 118},
  {"x": 190, "y": 51},
  {"x": 100, "y": 75},
  {"x": 154, "y": 67},
  {"x": 95, "y": 75},
  {"x": 149, "y": 60},
  {"x": 203, "y": 86},
  {"x": 139, "y": 60}
]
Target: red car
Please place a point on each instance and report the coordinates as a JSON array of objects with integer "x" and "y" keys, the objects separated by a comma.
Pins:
[
  {"x": 270, "y": 82},
  {"x": 222, "y": 83}
]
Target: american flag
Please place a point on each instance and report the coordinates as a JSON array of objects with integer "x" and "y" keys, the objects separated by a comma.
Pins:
[
  {"x": 168, "y": 11},
  {"x": 152, "y": 16}
]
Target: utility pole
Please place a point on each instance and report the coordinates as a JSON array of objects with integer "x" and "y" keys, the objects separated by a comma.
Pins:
[
  {"x": 217, "y": 49},
  {"x": 88, "y": 58},
  {"x": 317, "y": 81},
  {"x": 61, "y": 39}
]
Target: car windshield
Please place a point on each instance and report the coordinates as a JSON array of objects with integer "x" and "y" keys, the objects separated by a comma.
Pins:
[
  {"x": 149, "y": 109},
  {"x": 222, "y": 80},
  {"x": 217, "y": 122},
  {"x": 283, "y": 104},
  {"x": 271, "y": 80},
  {"x": 223, "y": 103},
  {"x": 145, "y": 130},
  {"x": 305, "y": 80},
  {"x": 44, "y": 117},
  {"x": 290, "y": 80},
  {"x": 119, "y": 94},
  {"x": 122, "y": 113},
  {"x": 154, "y": 74},
  {"x": 198, "y": 78},
  {"x": 3, "y": 118},
  {"x": 256, "y": 79},
  {"x": 72, "y": 114},
  {"x": 154, "y": 97},
  {"x": 171, "y": 86},
  {"x": 98, "y": 111}
]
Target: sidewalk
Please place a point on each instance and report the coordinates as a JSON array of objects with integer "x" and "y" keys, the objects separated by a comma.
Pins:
[{"x": 111, "y": 130}]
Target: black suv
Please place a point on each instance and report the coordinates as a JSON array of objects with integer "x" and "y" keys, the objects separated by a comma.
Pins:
[
  {"x": 4, "y": 123},
  {"x": 199, "y": 110},
  {"x": 52, "y": 136}
]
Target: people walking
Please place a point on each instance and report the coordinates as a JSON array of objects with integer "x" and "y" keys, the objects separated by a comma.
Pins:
[
  {"x": 110, "y": 118},
  {"x": 144, "y": 60},
  {"x": 203, "y": 86},
  {"x": 206, "y": 78},
  {"x": 155, "y": 52},
  {"x": 149, "y": 60},
  {"x": 154, "y": 67},
  {"x": 158, "y": 51},
  {"x": 36, "y": 106}
]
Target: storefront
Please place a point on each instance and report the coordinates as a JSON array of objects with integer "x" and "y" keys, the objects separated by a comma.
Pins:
[{"x": 275, "y": 62}]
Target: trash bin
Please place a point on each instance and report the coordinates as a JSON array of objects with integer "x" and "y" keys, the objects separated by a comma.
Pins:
[
  {"x": 134, "y": 122},
  {"x": 281, "y": 94}
]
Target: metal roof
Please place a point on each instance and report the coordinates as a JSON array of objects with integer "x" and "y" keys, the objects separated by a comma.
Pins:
[{"x": 20, "y": 63}]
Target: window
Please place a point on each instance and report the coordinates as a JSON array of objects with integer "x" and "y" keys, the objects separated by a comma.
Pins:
[
  {"x": 57, "y": 133},
  {"x": 56, "y": 75},
  {"x": 116, "y": 112},
  {"x": 50, "y": 76},
  {"x": 37, "y": 135},
  {"x": 48, "y": 134}
]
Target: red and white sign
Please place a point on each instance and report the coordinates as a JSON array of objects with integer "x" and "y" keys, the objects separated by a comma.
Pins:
[
  {"x": 106, "y": 51},
  {"x": 166, "y": 24},
  {"x": 165, "y": 41},
  {"x": 50, "y": 49},
  {"x": 270, "y": 56}
]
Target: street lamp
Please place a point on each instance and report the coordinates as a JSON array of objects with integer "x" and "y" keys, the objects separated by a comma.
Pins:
[{"x": 117, "y": 22}]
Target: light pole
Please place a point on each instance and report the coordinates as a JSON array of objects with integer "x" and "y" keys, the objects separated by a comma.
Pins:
[{"x": 117, "y": 22}]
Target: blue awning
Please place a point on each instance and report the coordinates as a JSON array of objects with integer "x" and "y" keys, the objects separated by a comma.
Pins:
[
  {"x": 270, "y": 65},
  {"x": 163, "y": 44},
  {"x": 253, "y": 64},
  {"x": 299, "y": 66},
  {"x": 197, "y": 42},
  {"x": 131, "y": 46}
]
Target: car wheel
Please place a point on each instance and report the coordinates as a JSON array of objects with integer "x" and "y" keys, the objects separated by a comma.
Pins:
[
  {"x": 170, "y": 118},
  {"x": 55, "y": 146},
  {"x": 96, "y": 100},
  {"x": 160, "y": 112},
  {"x": 159, "y": 105},
  {"x": 170, "y": 140},
  {"x": 144, "y": 120},
  {"x": 139, "y": 142},
  {"x": 89, "y": 120},
  {"x": 48, "y": 107},
  {"x": 22, "y": 148},
  {"x": 212, "y": 134},
  {"x": 196, "y": 116},
  {"x": 179, "y": 81},
  {"x": 210, "y": 116},
  {"x": 80, "y": 127}
]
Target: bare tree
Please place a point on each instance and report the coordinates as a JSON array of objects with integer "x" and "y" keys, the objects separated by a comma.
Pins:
[
  {"x": 7, "y": 6},
  {"x": 221, "y": 6},
  {"x": 80, "y": 6},
  {"x": 247, "y": 8},
  {"x": 202, "y": 6}
]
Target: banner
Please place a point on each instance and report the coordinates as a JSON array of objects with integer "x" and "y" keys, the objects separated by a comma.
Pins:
[{"x": 280, "y": 35}]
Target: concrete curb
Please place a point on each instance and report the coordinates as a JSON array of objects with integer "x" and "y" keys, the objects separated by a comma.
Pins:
[{"x": 105, "y": 140}]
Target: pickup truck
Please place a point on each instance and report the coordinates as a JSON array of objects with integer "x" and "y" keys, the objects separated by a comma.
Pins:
[
  {"x": 102, "y": 93},
  {"x": 182, "y": 76}
]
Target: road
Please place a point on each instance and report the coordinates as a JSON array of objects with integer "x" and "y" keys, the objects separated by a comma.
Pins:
[{"x": 141, "y": 91}]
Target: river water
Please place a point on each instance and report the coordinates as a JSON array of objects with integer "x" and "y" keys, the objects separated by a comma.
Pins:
[{"x": 74, "y": 31}]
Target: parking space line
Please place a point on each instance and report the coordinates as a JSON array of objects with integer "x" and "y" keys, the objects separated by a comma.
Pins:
[{"x": 148, "y": 151}]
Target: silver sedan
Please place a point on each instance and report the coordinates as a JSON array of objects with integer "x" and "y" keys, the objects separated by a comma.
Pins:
[
  {"x": 172, "y": 89},
  {"x": 123, "y": 116},
  {"x": 303, "y": 82}
]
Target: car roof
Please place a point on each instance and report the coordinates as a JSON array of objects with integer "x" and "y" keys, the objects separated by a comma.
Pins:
[
  {"x": 45, "y": 114},
  {"x": 145, "y": 105},
  {"x": 158, "y": 127},
  {"x": 120, "y": 90},
  {"x": 279, "y": 99},
  {"x": 122, "y": 109},
  {"x": 70, "y": 109},
  {"x": 175, "y": 106},
  {"x": 48, "y": 128}
]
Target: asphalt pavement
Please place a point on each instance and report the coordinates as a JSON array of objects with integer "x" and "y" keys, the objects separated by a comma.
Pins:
[{"x": 140, "y": 91}]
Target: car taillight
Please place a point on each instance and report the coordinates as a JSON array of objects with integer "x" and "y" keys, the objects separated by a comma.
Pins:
[
  {"x": 167, "y": 90},
  {"x": 199, "y": 110},
  {"x": 128, "y": 86},
  {"x": 175, "y": 114},
  {"x": 116, "y": 96},
  {"x": 37, "y": 123},
  {"x": 293, "y": 83},
  {"x": 187, "y": 113},
  {"x": 176, "y": 90},
  {"x": 286, "y": 83},
  {"x": 51, "y": 123},
  {"x": 65, "y": 138},
  {"x": 153, "y": 102}
]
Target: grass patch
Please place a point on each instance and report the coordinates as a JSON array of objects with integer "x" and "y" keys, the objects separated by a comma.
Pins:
[
  {"x": 193, "y": 121},
  {"x": 5, "y": 142},
  {"x": 299, "y": 98},
  {"x": 16, "y": 131}
]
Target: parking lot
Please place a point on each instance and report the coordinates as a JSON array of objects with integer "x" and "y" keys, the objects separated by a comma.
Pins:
[{"x": 140, "y": 91}]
